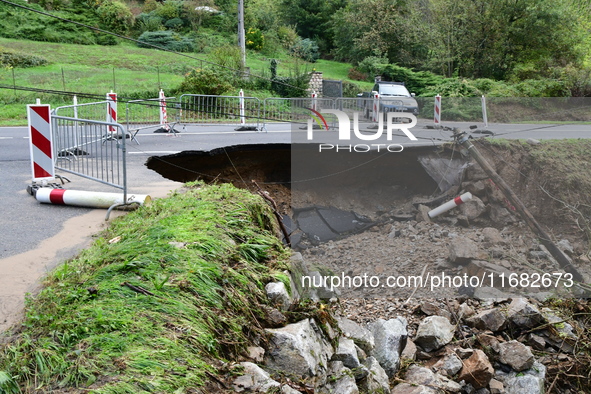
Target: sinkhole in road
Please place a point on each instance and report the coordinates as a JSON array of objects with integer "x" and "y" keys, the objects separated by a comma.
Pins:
[{"x": 325, "y": 195}]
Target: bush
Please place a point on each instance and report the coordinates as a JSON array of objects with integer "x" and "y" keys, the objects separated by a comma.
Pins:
[
  {"x": 115, "y": 16},
  {"x": 227, "y": 56},
  {"x": 10, "y": 58},
  {"x": 288, "y": 37},
  {"x": 373, "y": 65},
  {"x": 255, "y": 39},
  {"x": 206, "y": 81},
  {"x": 356, "y": 75},
  {"x": 306, "y": 49},
  {"x": 166, "y": 39},
  {"x": 174, "y": 24},
  {"x": 293, "y": 86},
  {"x": 419, "y": 82},
  {"x": 350, "y": 89},
  {"x": 147, "y": 22}
]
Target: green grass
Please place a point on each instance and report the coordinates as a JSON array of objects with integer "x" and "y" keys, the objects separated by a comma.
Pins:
[
  {"x": 126, "y": 69},
  {"x": 87, "y": 330}
]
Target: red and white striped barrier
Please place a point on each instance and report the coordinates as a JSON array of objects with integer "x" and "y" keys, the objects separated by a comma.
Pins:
[
  {"x": 80, "y": 198},
  {"x": 241, "y": 100},
  {"x": 314, "y": 101},
  {"x": 163, "y": 114},
  {"x": 112, "y": 110},
  {"x": 376, "y": 107},
  {"x": 437, "y": 111},
  {"x": 40, "y": 142},
  {"x": 450, "y": 205}
]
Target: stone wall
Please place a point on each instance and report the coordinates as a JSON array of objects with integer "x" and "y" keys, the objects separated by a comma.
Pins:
[{"x": 315, "y": 83}]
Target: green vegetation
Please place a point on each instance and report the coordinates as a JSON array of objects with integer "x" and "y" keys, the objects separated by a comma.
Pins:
[{"x": 161, "y": 293}]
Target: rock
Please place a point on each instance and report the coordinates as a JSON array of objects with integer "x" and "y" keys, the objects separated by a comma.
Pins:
[
  {"x": 536, "y": 342},
  {"x": 390, "y": 338},
  {"x": 405, "y": 388},
  {"x": 285, "y": 389},
  {"x": 449, "y": 365},
  {"x": 539, "y": 254},
  {"x": 278, "y": 295},
  {"x": 477, "y": 188},
  {"x": 425, "y": 377},
  {"x": 477, "y": 370},
  {"x": 347, "y": 354},
  {"x": 255, "y": 353},
  {"x": 516, "y": 355},
  {"x": 490, "y": 294},
  {"x": 255, "y": 379},
  {"x": 491, "y": 272},
  {"x": 492, "y": 236},
  {"x": 360, "y": 335},
  {"x": 361, "y": 355},
  {"x": 298, "y": 349},
  {"x": 532, "y": 141},
  {"x": 523, "y": 314},
  {"x": 410, "y": 350},
  {"x": 496, "y": 387},
  {"x": 563, "y": 336},
  {"x": 463, "y": 220},
  {"x": 394, "y": 233},
  {"x": 462, "y": 250},
  {"x": 377, "y": 380},
  {"x": 490, "y": 319},
  {"x": 434, "y": 332},
  {"x": 474, "y": 173},
  {"x": 465, "y": 311},
  {"x": 530, "y": 381},
  {"x": 566, "y": 247},
  {"x": 423, "y": 213},
  {"x": 488, "y": 342},
  {"x": 273, "y": 317},
  {"x": 500, "y": 215},
  {"x": 472, "y": 208},
  {"x": 340, "y": 380}
]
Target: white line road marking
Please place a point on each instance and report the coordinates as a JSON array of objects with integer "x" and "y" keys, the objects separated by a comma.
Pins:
[
  {"x": 155, "y": 152},
  {"x": 6, "y": 138}
]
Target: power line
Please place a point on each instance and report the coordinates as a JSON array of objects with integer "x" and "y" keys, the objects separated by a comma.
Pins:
[{"x": 147, "y": 44}]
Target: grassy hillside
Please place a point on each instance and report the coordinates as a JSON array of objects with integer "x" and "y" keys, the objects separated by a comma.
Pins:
[
  {"x": 162, "y": 294},
  {"x": 125, "y": 68}
]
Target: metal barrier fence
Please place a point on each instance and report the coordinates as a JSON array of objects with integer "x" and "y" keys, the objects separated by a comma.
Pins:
[
  {"x": 148, "y": 113},
  {"x": 222, "y": 110},
  {"x": 92, "y": 111},
  {"x": 88, "y": 149},
  {"x": 294, "y": 109}
]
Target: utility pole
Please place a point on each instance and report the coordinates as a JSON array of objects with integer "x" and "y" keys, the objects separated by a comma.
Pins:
[
  {"x": 565, "y": 263},
  {"x": 241, "y": 39}
]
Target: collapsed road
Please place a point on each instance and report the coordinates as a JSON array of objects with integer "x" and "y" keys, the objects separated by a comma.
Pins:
[{"x": 354, "y": 214}]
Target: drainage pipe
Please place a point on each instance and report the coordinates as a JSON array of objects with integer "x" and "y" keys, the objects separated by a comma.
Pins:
[{"x": 450, "y": 205}]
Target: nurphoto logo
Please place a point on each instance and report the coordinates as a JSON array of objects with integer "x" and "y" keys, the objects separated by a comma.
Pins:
[{"x": 394, "y": 121}]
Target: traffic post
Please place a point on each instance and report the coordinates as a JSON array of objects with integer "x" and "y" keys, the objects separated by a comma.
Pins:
[
  {"x": 40, "y": 143},
  {"x": 437, "y": 111}
]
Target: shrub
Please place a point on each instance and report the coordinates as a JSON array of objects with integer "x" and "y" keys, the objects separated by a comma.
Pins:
[
  {"x": 206, "y": 81},
  {"x": 288, "y": 37},
  {"x": 293, "y": 86},
  {"x": 166, "y": 39},
  {"x": 10, "y": 58},
  {"x": 115, "y": 16},
  {"x": 306, "y": 49},
  {"x": 373, "y": 65},
  {"x": 255, "y": 39},
  {"x": 356, "y": 75},
  {"x": 174, "y": 24},
  {"x": 148, "y": 22},
  {"x": 227, "y": 56},
  {"x": 350, "y": 89},
  {"x": 169, "y": 10}
]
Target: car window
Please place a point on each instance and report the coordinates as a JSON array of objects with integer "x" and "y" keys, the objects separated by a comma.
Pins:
[{"x": 394, "y": 90}]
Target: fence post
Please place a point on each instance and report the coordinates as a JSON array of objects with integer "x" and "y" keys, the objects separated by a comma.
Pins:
[
  {"x": 376, "y": 107},
  {"x": 437, "y": 111},
  {"x": 41, "y": 142},
  {"x": 484, "y": 114},
  {"x": 241, "y": 99},
  {"x": 314, "y": 101},
  {"x": 163, "y": 114},
  {"x": 112, "y": 110}
]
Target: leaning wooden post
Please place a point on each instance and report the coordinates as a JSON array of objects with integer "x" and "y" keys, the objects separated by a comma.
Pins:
[{"x": 543, "y": 236}]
